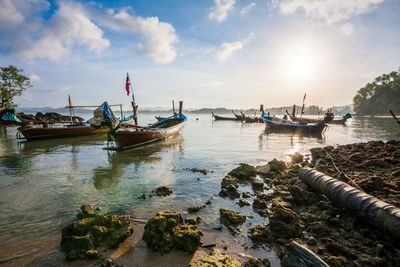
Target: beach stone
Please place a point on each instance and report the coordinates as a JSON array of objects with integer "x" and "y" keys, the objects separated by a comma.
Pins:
[
  {"x": 228, "y": 180},
  {"x": 167, "y": 231},
  {"x": 277, "y": 166},
  {"x": 243, "y": 202},
  {"x": 257, "y": 262},
  {"x": 88, "y": 210},
  {"x": 297, "y": 158},
  {"x": 162, "y": 191},
  {"x": 193, "y": 221},
  {"x": 244, "y": 173},
  {"x": 195, "y": 208},
  {"x": 217, "y": 260},
  {"x": 260, "y": 234},
  {"x": 231, "y": 219},
  {"x": 257, "y": 185},
  {"x": 83, "y": 238},
  {"x": 230, "y": 191},
  {"x": 246, "y": 194},
  {"x": 187, "y": 237},
  {"x": 264, "y": 169},
  {"x": 284, "y": 222}
]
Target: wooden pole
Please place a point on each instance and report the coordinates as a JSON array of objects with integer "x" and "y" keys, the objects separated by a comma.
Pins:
[
  {"x": 173, "y": 107},
  {"x": 394, "y": 116},
  {"x": 180, "y": 107}
]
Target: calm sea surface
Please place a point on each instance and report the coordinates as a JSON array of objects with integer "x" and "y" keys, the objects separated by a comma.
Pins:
[{"x": 43, "y": 183}]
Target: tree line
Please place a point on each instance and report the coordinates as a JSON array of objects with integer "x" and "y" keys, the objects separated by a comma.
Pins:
[{"x": 379, "y": 96}]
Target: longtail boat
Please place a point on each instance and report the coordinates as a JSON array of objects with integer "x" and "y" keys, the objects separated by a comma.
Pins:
[
  {"x": 134, "y": 136},
  {"x": 240, "y": 117},
  {"x": 220, "y": 118},
  {"x": 284, "y": 125},
  {"x": 101, "y": 123},
  {"x": 159, "y": 118}
]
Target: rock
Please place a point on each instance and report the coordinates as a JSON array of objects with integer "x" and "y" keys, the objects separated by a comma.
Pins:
[
  {"x": 257, "y": 262},
  {"x": 203, "y": 171},
  {"x": 162, "y": 191},
  {"x": 228, "y": 180},
  {"x": 262, "y": 170},
  {"x": 243, "y": 202},
  {"x": 217, "y": 260},
  {"x": 88, "y": 210},
  {"x": 297, "y": 158},
  {"x": 246, "y": 194},
  {"x": 230, "y": 191},
  {"x": 277, "y": 166},
  {"x": 300, "y": 256},
  {"x": 83, "y": 238},
  {"x": 142, "y": 196},
  {"x": 245, "y": 173},
  {"x": 193, "y": 221},
  {"x": 284, "y": 222},
  {"x": 301, "y": 196},
  {"x": 167, "y": 231},
  {"x": 260, "y": 234},
  {"x": 195, "y": 208},
  {"x": 187, "y": 237},
  {"x": 231, "y": 219},
  {"x": 257, "y": 185}
]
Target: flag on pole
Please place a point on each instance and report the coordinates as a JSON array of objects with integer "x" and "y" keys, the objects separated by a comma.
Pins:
[
  {"x": 69, "y": 101},
  {"x": 128, "y": 84},
  {"x": 304, "y": 98}
]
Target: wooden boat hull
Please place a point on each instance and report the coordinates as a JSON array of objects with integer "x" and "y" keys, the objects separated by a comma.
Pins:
[
  {"x": 341, "y": 121},
  {"x": 131, "y": 139},
  {"x": 219, "y": 118},
  {"x": 159, "y": 118},
  {"x": 313, "y": 129},
  {"x": 31, "y": 133}
]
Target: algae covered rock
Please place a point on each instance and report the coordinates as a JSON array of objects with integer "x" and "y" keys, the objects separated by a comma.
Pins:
[
  {"x": 244, "y": 202},
  {"x": 297, "y": 158},
  {"x": 230, "y": 191},
  {"x": 217, "y": 260},
  {"x": 195, "y": 209},
  {"x": 187, "y": 237},
  {"x": 228, "y": 180},
  {"x": 83, "y": 238},
  {"x": 277, "y": 166},
  {"x": 284, "y": 222},
  {"x": 257, "y": 262},
  {"x": 260, "y": 234},
  {"x": 245, "y": 173},
  {"x": 257, "y": 185},
  {"x": 88, "y": 210},
  {"x": 231, "y": 219},
  {"x": 167, "y": 231},
  {"x": 162, "y": 191}
]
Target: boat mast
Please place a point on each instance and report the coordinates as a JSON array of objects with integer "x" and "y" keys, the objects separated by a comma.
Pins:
[
  {"x": 134, "y": 106},
  {"x": 70, "y": 108}
]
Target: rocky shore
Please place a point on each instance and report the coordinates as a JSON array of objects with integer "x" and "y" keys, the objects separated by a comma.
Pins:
[{"x": 304, "y": 227}]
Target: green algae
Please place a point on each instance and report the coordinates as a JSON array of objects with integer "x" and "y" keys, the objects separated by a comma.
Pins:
[
  {"x": 217, "y": 260},
  {"x": 231, "y": 219},
  {"x": 244, "y": 173}
]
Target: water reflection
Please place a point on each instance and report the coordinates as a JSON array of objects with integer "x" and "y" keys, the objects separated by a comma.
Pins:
[{"x": 104, "y": 177}]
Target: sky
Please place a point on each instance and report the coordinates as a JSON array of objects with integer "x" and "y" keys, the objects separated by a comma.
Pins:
[{"x": 208, "y": 53}]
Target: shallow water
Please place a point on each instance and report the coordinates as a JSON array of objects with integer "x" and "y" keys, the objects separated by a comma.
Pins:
[{"x": 43, "y": 183}]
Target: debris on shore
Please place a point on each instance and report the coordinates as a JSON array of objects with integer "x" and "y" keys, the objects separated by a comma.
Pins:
[
  {"x": 93, "y": 232},
  {"x": 203, "y": 171}
]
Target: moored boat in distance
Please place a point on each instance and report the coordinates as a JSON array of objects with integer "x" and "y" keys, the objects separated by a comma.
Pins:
[
  {"x": 134, "y": 136},
  {"x": 220, "y": 118},
  {"x": 101, "y": 123},
  {"x": 284, "y": 125}
]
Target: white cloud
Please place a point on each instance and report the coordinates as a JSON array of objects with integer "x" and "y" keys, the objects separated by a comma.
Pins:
[
  {"x": 34, "y": 78},
  {"x": 347, "y": 29},
  {"x": 246, "y": 9},
  {"x": 159, "y": 37},
  {"x": 330, "y": 11},
  {"x": 69, "y": 25},
  {"x": 227, "y": 49},
  {"x": 9, "y": 15},
  {"x": 220, "y": 11},
  {"x": 212, "y": 84}
]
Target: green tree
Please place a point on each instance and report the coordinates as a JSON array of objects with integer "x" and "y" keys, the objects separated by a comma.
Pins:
[
  {"x": 12, "y": 84},
  {"x": 379, "y": 96}
]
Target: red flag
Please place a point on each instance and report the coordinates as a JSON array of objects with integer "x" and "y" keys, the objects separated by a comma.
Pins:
[
  {"x": 304, "y": 98},
  {"x": 69, "y": 101},
  {"x": 127, "y": 84}
]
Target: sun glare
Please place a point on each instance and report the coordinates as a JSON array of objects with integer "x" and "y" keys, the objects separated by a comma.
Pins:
[{"x": 299, "y": 67}]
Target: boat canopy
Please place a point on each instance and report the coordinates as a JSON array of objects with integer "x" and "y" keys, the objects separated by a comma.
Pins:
[
  {"x": 8, "y": 115},
  {"x": 103, "y": 115}
]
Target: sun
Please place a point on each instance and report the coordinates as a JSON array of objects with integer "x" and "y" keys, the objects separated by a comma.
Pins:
[{"x": 299, "y": 66}]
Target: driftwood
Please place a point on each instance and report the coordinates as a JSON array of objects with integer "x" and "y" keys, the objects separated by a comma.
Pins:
[
  {"x": 300, "y": 256},
  {"x": 378, "y": 213}
]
